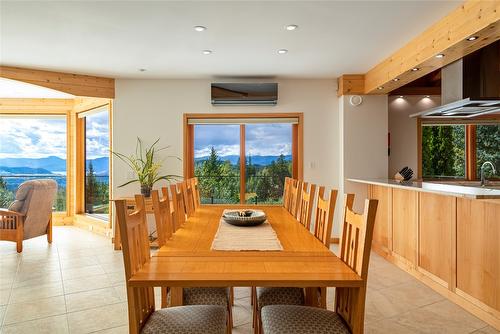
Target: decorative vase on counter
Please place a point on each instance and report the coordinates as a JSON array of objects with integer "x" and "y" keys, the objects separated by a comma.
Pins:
[{"x": 146, "y": 190}]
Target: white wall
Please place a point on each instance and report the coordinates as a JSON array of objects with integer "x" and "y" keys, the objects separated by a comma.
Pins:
[
  {"x": 403, "y": 129},
  {"x": 363, "y": 145},
  {"x": 154, "y": 108}
]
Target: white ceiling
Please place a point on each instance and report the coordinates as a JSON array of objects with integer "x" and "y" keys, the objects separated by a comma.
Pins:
[{"x": 116, "y": 38}]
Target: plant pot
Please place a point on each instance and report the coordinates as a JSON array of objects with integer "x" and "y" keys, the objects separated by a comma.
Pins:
[{"x": 146, "y": 190}]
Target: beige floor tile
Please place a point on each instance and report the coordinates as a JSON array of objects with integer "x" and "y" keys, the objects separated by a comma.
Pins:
[
  {"x": 34, "y": 310},
  {"x": 121, "y": 290},
  {"x": 78, "y": 262},
  {"x": 104, "y": 317},
  {"x": 442, "y": 317},
  {"x": 411, "y": 295},
  {"x": 82, "y": 272},
  {"x": 388, "y": 326},
  {"x": 50, "y": 325},
  {"x": 91, "y": 299},
  {"x": 116, "y": 277},
  {"x": 380, "y": 306},
  {"x": 34, "y": 292},
  {"x": 113, "y": 267},
  {"x": 86, "y": 283},
  {"x": 4, "y": 296},
  {"x": 2, "y": 313},
  {"x": 116, "y": 330},
  {"x": 241, "y": 292},
  {"x": 243, "y": 329},
  {"x": 37, "y": 278},
  {"x": 242, "y": 312}
]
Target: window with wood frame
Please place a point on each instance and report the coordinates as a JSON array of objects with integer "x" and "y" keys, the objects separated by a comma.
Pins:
[
  {"x": 242, "y": 158},
  {"x": 454, "y": 149}
]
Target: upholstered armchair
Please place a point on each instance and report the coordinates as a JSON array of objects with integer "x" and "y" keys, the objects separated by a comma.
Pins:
[{"x": 30, "y": 215}]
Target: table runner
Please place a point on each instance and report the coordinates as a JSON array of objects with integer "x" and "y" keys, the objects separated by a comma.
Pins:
[{"x": 251, "y": 238}]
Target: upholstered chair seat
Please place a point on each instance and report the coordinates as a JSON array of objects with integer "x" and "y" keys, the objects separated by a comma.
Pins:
[
  {"x": 279, "y": 296},
  {"x": 287, "y": 319},
  {"x": 194, "y": 319},
  {"x": 204, "y": 296}
]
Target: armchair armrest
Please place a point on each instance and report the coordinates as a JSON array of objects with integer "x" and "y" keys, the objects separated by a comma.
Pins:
[{"x": 6, "y": 212}]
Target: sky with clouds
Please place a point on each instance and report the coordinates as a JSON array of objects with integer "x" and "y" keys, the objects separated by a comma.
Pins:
[
  {"x": 260, "y": 139},
  {"x": 24, "y": 137}
]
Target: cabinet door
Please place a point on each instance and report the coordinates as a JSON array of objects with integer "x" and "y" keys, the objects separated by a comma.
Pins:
[
  {"x": 437, "y": 216},
  {"x": 381, "y": 230},
  {"x": 478, "y": 250},
  {"x": 404, "y": 223}
]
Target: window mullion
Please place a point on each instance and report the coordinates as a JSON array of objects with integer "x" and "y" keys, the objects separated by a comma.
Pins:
[
  {"x": 242, "y": 165},
  {"x": 470, "y": 156}
]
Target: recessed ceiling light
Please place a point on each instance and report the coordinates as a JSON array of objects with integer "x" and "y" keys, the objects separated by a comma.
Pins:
[
  {"x": 395, "y": 79},
  {"x": 472, "y": 38},
  {"x": 380, "y": 87},
  {"x": 415, "y": 69},
  {"x": 142, "y": 70},
  {"x": 427, "y": 96},
  {"x": 291, "y": 27},
  {"x": 200, "y": 28},
  {"x": 207, "y": 52},
  {"x": 400, "y": 96},
  {"x": 440, "y": 55},
  {"x": 282, "y": 51}
]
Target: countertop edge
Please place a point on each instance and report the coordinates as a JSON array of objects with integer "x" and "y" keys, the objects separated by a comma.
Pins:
[{"x": 416, "y": 186}]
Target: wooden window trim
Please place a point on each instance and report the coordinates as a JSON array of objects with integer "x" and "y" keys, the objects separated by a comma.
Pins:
[
  {"x": 297, "y": 142},
  {"x": 470, "y": 141}
]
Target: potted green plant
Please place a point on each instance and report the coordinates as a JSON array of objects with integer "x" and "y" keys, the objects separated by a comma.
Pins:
[{"x": 145, "y": 166}]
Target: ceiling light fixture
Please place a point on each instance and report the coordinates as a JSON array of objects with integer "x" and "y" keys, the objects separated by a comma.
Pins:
[
  {"x": 142, "y": 70},
  {"x": 380, "y": 87},
  {"x": 400, "y": 96},
  {"x": 415, "y": 69},
  {"x": 282, "y": 51},
  {"x": 427, "y": 96},
  {"x": 200, "y": 28},
  {"x": 440, "y": 55},
  {"x": 291, "y": 27},
  {"x": 472, "y": 38},
  {"x": 207, "y": 52},
  {"x": 395, "y": 79}
]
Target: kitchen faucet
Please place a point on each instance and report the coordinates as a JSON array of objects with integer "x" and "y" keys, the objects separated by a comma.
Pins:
[{"x": 483, "y": 179}]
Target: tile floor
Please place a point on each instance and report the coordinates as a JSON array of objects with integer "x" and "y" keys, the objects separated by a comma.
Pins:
[{"x": 76, "y": 285}]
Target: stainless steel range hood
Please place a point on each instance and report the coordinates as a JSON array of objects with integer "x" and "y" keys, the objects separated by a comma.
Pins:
[{"x": 470, "y": 87}]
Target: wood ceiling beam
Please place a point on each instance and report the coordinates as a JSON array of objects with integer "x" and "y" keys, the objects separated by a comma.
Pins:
[
  {"x": 76, "y": 84},
  {"x": 35, "y": 106},
  {"x": 351, "y": 84},
  {"x": 480, "y": 18}
]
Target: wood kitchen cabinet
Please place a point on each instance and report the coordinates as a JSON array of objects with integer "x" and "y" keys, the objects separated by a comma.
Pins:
[
  {"x": 437, "y": 216},
  {"x": 405, "y": 224},
  {"x": 382, "y": 228},
  {"x": 478, "y": 250}
]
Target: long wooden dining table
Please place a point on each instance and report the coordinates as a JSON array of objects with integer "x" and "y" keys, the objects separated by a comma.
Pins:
[{"x": 187, "y": 259}]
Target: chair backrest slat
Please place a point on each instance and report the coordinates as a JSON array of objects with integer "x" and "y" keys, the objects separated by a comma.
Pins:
[
  {"x": 286, "y": 192},
  {"x": 163, "y": 215},
  {"x": 325, "y": 209},
  {"x": 355, "y": 246},
  {"x": 187, "y": 193},
  {"x": 296, "y": 197},
  {"x": 305, "y": 206},
  {"x": 136, "y": 253}
]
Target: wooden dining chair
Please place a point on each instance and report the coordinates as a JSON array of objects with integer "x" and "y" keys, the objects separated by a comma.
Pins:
[
  {"x": 163, "y": 215},
  {"x": 286, "y": 192},
  {"x": 305, "y": 206},
  {"x": 295, "y": 197},
  {"x": 142, "y": 315},
  {"x": 323, "y": 223},
  {"x": 348, "y": 317},
  {"x": 178, "y": 205},
  {"x": 196, "y": 192},
  {"x": 187, "y": 192}
]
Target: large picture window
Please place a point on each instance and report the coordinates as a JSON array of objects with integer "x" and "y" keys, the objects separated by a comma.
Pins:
[
  {"x": 241, "y": 159},
  {"x": 32, "y": 147},
  {"x": 97, "y": 162}
]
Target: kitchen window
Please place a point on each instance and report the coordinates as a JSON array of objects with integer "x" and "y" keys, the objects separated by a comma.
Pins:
[
  {"x": 242, "y": 158},
  {"x": 456, "y": 149}
]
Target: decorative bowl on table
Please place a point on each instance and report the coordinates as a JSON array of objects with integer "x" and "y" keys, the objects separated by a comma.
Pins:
[{"x": 244, "y": 217}]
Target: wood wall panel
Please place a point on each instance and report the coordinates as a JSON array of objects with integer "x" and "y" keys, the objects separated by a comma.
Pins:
[
  {"x": 478, "y": 250},
  {"x": 437, "y": 214},
  {"x": 405, "y": 223},
  {"x": 383, "y": 219}
]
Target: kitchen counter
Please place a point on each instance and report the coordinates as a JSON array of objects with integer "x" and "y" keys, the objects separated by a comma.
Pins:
[{"x": 436, "y": 188}]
